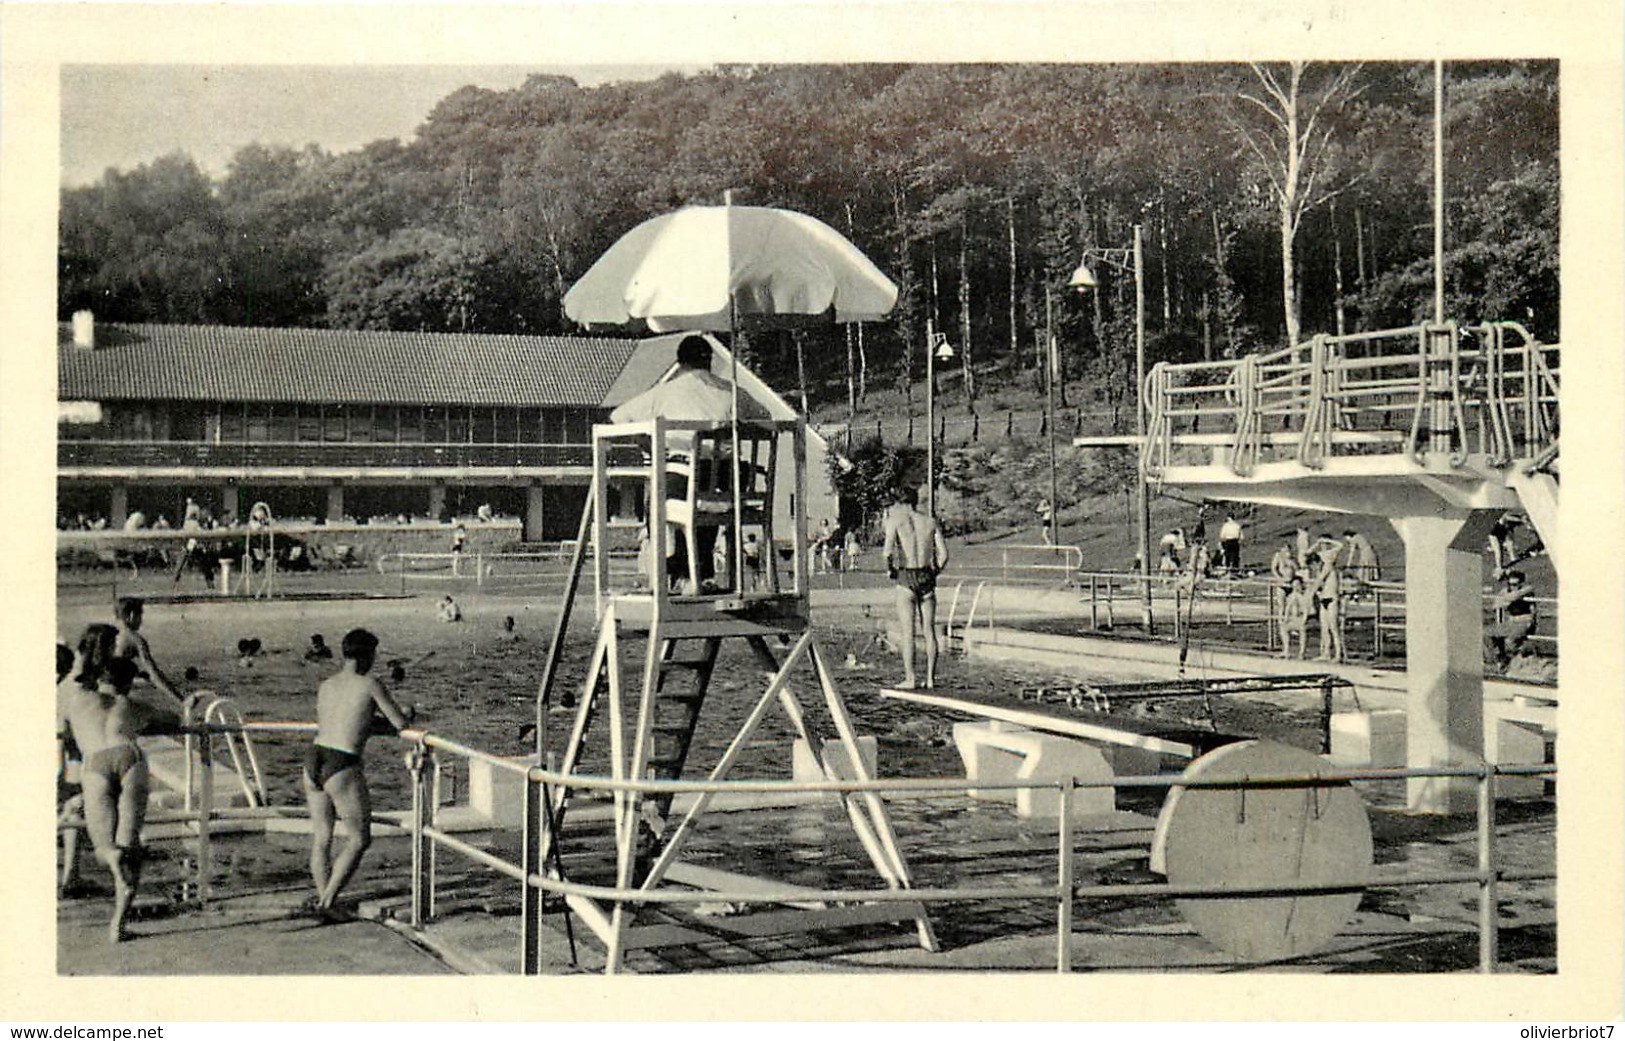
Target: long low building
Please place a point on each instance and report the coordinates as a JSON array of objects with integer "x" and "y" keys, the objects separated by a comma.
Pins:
[{"x": 332, "y": 425}]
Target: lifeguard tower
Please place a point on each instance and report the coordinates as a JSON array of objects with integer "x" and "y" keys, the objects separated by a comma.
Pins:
[{"x": 704, "y": 489}]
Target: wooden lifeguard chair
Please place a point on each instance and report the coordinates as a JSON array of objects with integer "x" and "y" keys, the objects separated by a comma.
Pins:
[{"x": 707, "y": 484}]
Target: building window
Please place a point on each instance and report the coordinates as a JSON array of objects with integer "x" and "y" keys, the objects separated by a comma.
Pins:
[
  {"x": 530, "y": 426},
  {"x": 185, "y": 422},
  {"x": 310, "y": 423},
  {"x": 577, "y": 427},
  {"x": 360, "y": 423},
  {"x": 231, "y": 424},
  {"x": 434, "y": 425},
  {"x": 483, "y": 427},
  {"x": 384, "y": 419},
  {"x": 258, "y": 426},
  {"x": 457, "y": 425},
  {"x": 333, "y": 417},
  {"x": 412, "y": 424},
  {"x": 284, "y": 422}
]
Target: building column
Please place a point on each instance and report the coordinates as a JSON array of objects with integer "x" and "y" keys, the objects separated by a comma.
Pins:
[
  {"x": 437, "y": 501},
  {"x": 335, "y": 502},
  {"x": 228, "y": 504},
  {"x": 118, "y": 507},
  {"x": 1444, "y": 654},
  {"x": 535, "y": 512}
]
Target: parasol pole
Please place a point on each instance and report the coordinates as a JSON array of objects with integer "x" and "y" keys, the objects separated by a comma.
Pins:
[{"x": 737, "y": 550}]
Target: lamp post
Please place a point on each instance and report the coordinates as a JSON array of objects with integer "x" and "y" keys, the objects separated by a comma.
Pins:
[
  {"x": 1082, "y": 279},
  {"x": 1052, "y": 372},
  {"x": 936, "y": 348}
]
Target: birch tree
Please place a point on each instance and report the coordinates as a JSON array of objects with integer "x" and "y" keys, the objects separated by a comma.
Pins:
[{"x": 1286, "y": 121}]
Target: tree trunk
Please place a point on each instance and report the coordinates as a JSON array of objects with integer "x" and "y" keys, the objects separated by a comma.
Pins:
[
  {"x": 851, "y": 379},
  {"x": 964, "y": 308},
  {"x": 1207, "y": 325},
  {"x": 1010, "y": 240},
  {"x": 1162, "y": 238},
  {"x": 1289, "y": 211},
  {"x": 799, "y": 336},
  {"x": 1359, "y": 262},
  {"x": 1337, "y": 273},
  {"x": 863, "y": 367}
]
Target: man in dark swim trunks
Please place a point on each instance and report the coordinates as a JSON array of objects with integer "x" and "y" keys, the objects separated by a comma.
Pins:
[
  {"x": 915, "y": 554},
  {"x": 347, "y": 704}
]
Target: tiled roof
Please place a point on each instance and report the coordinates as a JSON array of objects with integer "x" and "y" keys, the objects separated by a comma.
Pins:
[{"x": 230, "y": 363}]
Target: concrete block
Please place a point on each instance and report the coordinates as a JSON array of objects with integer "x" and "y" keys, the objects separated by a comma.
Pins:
[
  {"x": 804, "y": 768},
  {"x": 1507, "y": 742},
  {"x": 1375, "y": 738},
  {"x": 1127, "y": 761},
  {"x": 999, "y": 752},
  {"x": 498, "y": 794}
]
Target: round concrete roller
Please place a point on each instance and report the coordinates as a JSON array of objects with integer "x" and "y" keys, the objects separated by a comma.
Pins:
[{"x": 1263, "y": 836}]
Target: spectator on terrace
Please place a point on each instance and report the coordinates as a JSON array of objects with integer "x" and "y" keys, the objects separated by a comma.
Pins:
[
  {"x": 1230, "y": 536},
  {"x": 1505, "y": 638}
]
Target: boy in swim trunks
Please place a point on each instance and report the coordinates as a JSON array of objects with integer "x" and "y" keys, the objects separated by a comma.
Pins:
[
  {"x": 70, "y": 797},
  {"x": 915, "y": 554},
  {"x": 104, "y": 721},
  {"x": 132, "y": 645},
  {"x": 347, "y": 704}
]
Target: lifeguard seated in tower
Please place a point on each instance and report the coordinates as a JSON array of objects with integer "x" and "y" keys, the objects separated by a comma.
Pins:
[{"x": 690, "y": 392}]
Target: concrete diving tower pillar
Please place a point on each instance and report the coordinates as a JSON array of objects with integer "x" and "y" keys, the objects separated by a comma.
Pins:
[{"x": 1438, "y": 429}]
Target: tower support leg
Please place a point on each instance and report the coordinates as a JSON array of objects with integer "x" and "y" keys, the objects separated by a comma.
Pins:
[{"x": 1444, "y": 644}]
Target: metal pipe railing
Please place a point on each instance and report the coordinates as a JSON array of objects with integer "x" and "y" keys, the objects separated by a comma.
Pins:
[
  {"x": 1431, "y": 382},
  {"x": 537, "y": 880}
]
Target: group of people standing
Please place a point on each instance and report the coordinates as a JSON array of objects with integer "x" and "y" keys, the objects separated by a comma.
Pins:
[
  {"x": 1179, "y": 554},
  {"x": 104, "y": 779},
  {"x": 1315, "y": 579}
]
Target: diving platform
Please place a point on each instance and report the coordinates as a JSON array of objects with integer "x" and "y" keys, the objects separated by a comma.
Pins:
[{"x": 1438, "y": 428}]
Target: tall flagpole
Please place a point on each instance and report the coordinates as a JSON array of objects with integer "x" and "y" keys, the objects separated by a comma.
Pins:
[{"x": 1438, "y": 191}]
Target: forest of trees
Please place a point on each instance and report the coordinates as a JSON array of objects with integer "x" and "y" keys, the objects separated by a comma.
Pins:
[{"x": 1276, "y": 201}]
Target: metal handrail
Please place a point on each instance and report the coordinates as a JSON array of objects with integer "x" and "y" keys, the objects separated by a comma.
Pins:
[
  {"x": 1065, "y": 892},
  {"x": 1317, "y": 388}
]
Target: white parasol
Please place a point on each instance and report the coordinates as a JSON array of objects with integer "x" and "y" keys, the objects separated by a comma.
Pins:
[{"x": 705, "y": 267}]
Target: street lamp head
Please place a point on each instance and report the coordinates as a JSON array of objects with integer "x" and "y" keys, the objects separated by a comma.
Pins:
[
  {"x": 944, "y": 352},
  {"x": 1082, "y": 279}
]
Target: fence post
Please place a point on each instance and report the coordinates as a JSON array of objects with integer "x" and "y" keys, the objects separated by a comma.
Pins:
[
  {"x": 1376, "y": 622},
  {"x": 420, "y": 839},
  {"x": 1094, "y": 605},
  {"x": 1063, "y": 911},
  {"x": 205, "y": 811},
  {"x": 435, "y": 795},
  {"x": 1489, "y": 905},
  {"x": 531, "y": 896},
  {"x": 190, "y": 742}
]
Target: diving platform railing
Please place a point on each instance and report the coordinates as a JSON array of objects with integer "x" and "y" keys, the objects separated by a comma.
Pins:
[
  {"x": 1448, "y": 390},
  {"x": 538, "y": 879}
]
